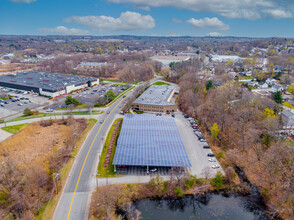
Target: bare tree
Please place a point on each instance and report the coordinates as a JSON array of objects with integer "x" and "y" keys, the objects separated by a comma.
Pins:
[{"x": 206, "y": 172}]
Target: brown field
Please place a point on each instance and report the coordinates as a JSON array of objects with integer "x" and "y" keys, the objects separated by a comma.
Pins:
[
  {"x": 29, "y": 162},
  {"x": 15, "y": 67}
]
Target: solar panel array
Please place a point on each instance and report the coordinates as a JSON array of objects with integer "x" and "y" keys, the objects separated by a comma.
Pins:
[{"x": 148, "y": 140}]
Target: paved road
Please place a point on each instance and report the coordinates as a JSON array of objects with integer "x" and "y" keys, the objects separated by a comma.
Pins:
[
  {"x": 77, "y": 191},
  {"x": 75, "y": 199}
]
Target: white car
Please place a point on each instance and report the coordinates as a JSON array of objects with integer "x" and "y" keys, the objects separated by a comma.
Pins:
[
  {"x": 215, "y": 166},
  {"x": 212, "y": 160}
]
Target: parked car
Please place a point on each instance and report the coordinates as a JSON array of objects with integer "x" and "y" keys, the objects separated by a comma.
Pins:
[
  {"x": 101, "y": 121},
  {"x": 202, "y": 139},
  {"x": 186, "y": 116},
  {"x": 153, "y": 170},
  {"x": 210, "y": 155},
  {"x": 173, "y": 115},
  {"x": 124, "y": 96},
  {"x": 215, "y": 166},
  {"x": 107, "y": 112},
  {"x": 206, "y": 147},
  {"x": 19, "y": 104},
  {"x": 212, "y": 160}
]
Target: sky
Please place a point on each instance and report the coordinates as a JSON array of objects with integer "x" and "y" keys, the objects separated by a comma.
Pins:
[{"x": 241, "y": 18}]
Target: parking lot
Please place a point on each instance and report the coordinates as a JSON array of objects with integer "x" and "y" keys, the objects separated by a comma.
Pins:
[
  {"x": 197, "y": 154},
  {"x": 90, "y": 95},
  {"x": 142, "y": 171},
  {"x": 18, "y": 102}
]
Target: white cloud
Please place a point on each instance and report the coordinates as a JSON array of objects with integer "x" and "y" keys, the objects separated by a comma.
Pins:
[
  {"x": 61, "y": 30},
  {"x": 23, "y": 1},
  {"x": 278, "y": 13},
  {"x": 248, "y": 9},
  {"x": 128, "y": 21},
  {"x": 214, "y": 34},
  {"x": 177, "y": 21},
  {"x": 209, "y": 23}
]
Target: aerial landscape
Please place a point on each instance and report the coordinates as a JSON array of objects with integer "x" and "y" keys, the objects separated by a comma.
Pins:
[{"x": 158, "y": 110}]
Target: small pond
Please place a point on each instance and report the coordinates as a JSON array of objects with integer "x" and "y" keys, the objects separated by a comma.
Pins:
[{"x": 211, "y": 206}]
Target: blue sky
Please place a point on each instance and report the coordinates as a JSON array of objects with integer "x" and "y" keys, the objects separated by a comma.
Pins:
[{"x": 249, "y": 18}]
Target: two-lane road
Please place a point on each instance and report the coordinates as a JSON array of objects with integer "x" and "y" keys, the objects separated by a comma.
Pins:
[{"x": 77, "y": 190}]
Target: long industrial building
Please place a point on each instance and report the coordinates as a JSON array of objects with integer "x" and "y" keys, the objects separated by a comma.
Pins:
[
  {"x": 157, "y": 98},
  {"x": 47, "y": 84},
  {"x": 149, "y": 140}
]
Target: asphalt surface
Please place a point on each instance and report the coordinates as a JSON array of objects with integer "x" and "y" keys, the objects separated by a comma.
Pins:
[
  {"x": 77, "y": 191},
  {"x": 197, "y": 154}
]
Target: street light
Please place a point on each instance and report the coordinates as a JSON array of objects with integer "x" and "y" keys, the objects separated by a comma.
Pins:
[{"x": 75, "y": 135}]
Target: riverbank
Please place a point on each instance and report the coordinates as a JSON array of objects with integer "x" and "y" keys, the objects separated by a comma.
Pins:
[{"x": 111, "y": 200}]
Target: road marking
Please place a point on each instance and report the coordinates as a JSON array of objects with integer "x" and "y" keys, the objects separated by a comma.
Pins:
[{"x": 88, "y": 154}]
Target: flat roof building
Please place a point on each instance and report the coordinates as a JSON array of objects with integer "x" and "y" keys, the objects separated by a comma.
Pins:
[
  {"x": 157, "y": 98},
  {"x": 148, "y": 140},
  {"x": 48, "y": 84}
]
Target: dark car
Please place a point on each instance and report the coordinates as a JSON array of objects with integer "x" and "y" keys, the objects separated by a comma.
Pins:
[
  {"x": 186, "y": 116},
  {"x": 173, "y": 116},
  {"x": 206, "y": 147},
  {"x": 210, "y": 155},
  {"x": 124, "y": 96}
]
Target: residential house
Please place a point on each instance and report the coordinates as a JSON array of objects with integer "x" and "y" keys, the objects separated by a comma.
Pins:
[
  {"x": 271, "y": 81},
  {"x": 278, "y": 69},
  {"x": 288, "y": 118},
  {"x": 253, "y": 84},
  {"x": 263, "y": 85},
  {"x": 246, "y": 73},
  {"x": 277, "y": 88}
]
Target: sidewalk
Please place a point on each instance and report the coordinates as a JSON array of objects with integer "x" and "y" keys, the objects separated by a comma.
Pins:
[{"x": 4, "y": 135}]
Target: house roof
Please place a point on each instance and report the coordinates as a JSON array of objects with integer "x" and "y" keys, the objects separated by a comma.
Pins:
[{"x": 287, "y": 114}]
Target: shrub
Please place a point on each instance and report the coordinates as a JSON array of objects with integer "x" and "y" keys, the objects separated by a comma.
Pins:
[
  {"x": 220, "y": 155},
  {"x": 28, "y": 112},
  {"x": 178, "y": 191},
  {"x": 70, "y": 100},
  {"x": 190, "y": 181},
  {"x": 218, "y": 180}
]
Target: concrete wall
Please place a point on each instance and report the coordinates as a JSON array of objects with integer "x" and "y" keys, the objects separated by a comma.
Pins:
[
  {"x": 52, "y": 94},
  {"x": 171, "y": 95},
  {"x": 95, "y": 82},
  {"x": 73, "y": 87}
]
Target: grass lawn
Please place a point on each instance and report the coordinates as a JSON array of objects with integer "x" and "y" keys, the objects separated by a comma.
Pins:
[
  {"x": 5, "y": 97},
  {"x": 245, "y": 77},
  {"x": 41, "y": 114},
  {"x": 102, "y": 171},
  {"x": 47, "y": 210},
  {"x": 138, "y": 112},
  {"x": 159, "y": 83},
  {"x": 15, "y": 128}
]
